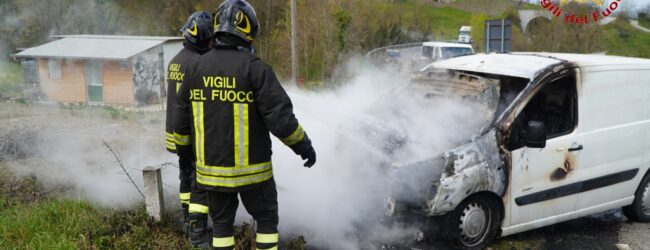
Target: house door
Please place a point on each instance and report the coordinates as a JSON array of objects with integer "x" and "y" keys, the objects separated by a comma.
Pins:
[{"x": 94, "y": 82}]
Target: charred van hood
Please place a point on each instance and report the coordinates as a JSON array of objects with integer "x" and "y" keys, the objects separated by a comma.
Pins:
[{"x": 398, "y": 125}]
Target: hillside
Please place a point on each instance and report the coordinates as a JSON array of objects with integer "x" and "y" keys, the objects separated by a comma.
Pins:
[{"x": 330, "y": 32}]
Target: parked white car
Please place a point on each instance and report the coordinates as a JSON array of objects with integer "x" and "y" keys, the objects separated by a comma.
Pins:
[
  {"x": 437, "y": 51},
  {"x": 569, "y": 137}
]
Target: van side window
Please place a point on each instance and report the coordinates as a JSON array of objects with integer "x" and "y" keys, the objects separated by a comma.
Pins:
[{"x": 556, "y": 105}]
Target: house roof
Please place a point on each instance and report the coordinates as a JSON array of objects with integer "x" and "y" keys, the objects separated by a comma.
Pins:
[{"x": 98, "y": 47}]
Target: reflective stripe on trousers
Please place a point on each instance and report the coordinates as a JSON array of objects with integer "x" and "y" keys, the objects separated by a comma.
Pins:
[
  {"x": 195, "y": 208},
  {"x": 266, "y": 241},
  {"x": 224, "y": 242}
]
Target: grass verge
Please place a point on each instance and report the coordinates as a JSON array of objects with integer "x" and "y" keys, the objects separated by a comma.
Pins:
[
  {"x": 31, "y": 218},
  {"x": 68, "y": 224}
]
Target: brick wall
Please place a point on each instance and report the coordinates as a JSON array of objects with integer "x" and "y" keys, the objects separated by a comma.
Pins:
[
  {"x": 71, "y": 87},
  {"x": 118, "y": 84}
]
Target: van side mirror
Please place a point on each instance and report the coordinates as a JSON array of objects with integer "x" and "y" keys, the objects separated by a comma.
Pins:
[{"x": 535, "y": 134}]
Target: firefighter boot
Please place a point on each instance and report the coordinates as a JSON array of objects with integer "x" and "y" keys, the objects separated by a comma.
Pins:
[
  {"x": 200, "y": 236},
  {"x": 186, "y": 219}
]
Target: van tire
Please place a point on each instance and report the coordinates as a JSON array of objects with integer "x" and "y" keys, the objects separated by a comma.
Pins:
[
  {"x": 483, "y": 213},
  {"x": 639, "y": 210}
]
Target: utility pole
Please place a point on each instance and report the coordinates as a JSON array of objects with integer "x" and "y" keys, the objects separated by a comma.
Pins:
[{"x": 294, "y": 52}]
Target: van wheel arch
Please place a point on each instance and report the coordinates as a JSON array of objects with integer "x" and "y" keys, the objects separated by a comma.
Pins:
[{"x": 638, "y": 210}]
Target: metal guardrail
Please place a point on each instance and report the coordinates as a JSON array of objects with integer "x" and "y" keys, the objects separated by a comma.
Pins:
[{"x": 397, "y": 46}]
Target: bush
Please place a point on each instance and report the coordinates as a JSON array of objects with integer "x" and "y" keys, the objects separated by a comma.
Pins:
[
  {"x": 11, "y": 80},
  {"x": 644, "y": 19},
  {"x": 18, "y": 142}
]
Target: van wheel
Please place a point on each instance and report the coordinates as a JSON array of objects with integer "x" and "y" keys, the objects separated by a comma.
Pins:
[
  {"x": 475, "y": 222},
  {"x": 640, "y": 209}
]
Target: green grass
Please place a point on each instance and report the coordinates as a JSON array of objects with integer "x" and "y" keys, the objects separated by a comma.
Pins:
[
  {"x": 69, "y": 224},
  {"x": 30, "y": 219},
  {"x": 622, "y": 39},
  {"x": 645, "y": 22},
  {"x": 11, "y": 79},
  {"x": 50, "y": 224}
]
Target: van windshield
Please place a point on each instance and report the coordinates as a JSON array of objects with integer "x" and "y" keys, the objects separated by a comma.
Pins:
[{"x": 451, "y": 52}]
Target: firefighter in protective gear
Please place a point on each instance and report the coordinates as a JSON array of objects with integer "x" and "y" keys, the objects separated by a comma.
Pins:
[
  {"x": 228, "y": 104},
  {"x": 198, "y": 32}
]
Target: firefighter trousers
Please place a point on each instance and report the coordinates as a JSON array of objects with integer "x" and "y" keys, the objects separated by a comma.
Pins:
[
  {"x": 260, "y": 202},
  {"x": 193, "y": 199}
]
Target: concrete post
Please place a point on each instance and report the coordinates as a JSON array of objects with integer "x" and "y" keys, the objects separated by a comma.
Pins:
[{"x": 153, "y": 192}]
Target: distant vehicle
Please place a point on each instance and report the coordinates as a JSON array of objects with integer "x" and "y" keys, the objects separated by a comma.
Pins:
[
  {"x": 563, "y": 136},
  {"x": 438, "y": 51},
  {"x": 465, "y": 34},
  {"x": 393, "y": 53}
]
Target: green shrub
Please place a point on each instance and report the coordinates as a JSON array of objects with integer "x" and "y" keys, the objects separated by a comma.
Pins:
[{"x": 11, "y": 80}]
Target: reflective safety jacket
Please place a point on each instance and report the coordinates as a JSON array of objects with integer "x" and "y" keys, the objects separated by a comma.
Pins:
[
  {"x": 229, "y": 102},
  {"x": 175, "y": 73}
]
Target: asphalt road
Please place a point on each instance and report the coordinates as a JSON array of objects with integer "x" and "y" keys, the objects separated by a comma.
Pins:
[{"x": 610, "y": 230}]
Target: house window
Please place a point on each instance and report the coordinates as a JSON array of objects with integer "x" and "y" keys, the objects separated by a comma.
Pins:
[
  {"x": 94, "y": 73},
  {"x": 30, "y": 71},
  {"x": 124, "y": 66},
  {"x": 54, "y": 69}
]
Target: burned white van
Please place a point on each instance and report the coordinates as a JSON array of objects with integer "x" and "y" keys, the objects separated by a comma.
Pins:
[{"x": 566, "y": 136}]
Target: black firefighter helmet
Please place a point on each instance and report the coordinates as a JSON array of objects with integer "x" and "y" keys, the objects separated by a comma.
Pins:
[
  {"x": 237, "y": 17},
  {"x": 198, "y": 29}
]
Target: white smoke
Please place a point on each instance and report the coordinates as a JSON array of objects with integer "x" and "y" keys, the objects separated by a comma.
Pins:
[
  {"x": 338, "y": 203},
  {"x": 71, "y": 153}
]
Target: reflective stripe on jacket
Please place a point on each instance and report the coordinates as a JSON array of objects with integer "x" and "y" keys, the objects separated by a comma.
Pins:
[
  {"x": 175, "y": 74},
  {"x": 229, "y": 102}
]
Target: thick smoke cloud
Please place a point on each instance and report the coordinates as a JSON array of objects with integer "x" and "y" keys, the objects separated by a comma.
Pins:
[{"x": 337, "y": 204}]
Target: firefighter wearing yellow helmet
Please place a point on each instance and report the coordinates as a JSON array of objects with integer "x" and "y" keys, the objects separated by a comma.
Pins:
[
  {"x": 229, "y": 102},
  {"x": 198, "y": 32}
]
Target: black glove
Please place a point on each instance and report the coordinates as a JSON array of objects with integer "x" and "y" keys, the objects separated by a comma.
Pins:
[{"x": 310, "y": 156}]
